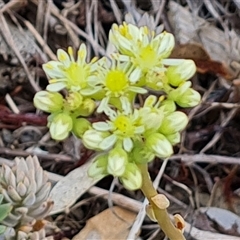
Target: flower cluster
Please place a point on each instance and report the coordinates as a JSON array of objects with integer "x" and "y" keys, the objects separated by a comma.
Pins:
[
  {"x": 75, "y": 77},
  {"x": 131, "y": 135}
]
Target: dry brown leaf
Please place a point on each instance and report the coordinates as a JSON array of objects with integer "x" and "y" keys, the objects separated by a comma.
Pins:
[
  {"x": 67, "y": 190},
  {"x": 113, "y": 223},
  {"x": 189, "y": 28},
  {"x": 204, "y": 63}
]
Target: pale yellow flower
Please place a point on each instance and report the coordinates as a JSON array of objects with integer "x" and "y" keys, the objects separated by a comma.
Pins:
[
  {"x": 117, "y": 81},
  {"x": 68, "y": 73},
  {"x": 141, "y": 46},
  {"x": 120, "y": 128}
]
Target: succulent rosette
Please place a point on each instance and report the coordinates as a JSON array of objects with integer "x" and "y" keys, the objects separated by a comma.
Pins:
[{"x": 24, "y": 190}]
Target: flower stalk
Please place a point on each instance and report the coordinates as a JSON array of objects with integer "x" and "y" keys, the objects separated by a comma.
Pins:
[{"x": 161, "y": 215}]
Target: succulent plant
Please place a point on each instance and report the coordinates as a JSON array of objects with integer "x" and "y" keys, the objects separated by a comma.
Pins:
[{"x": 25, "y": 189}]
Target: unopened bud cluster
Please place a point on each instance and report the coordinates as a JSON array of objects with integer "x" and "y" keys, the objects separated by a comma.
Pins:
[{"x": 131, "y": 135}]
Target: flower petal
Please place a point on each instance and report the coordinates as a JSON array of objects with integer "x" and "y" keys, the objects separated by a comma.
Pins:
[
  {"x": 138, "y": 90},
  {"x": 101, "y": 126},
  {"x": 103, "y": 105},
  {"x": 166, "y": 44},
  {"x": 63, "y": 58},
  {"x": 135, "y": 75},
  {"x": 126, "y": 106},
  {"x": 55, "y": 87},
  {"x": 172, "y": 61},
  {"x": 82, "y": 54},
  {"x": 139, "y": 130},
  {"x": 90, "y": 91},
  {"x": 127, "y": 144},
  {"x": 108, "y": 142},
  {"x": 52, "y": 69}
]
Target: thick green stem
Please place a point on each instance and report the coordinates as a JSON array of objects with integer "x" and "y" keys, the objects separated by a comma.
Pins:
[{"x": 161, "y": 215}]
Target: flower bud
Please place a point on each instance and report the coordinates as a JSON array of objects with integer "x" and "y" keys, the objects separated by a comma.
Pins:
[
  {"x": 185, "y": 96},
  {"x": 132, "y": 178},
  {"x": 98, "y": 168},
  {"x": 168, "y": 106},
  {"x": 180, "y": 73},
  {"x": 178, "y": 92},
  {"x": 92, "y": 139},
  {"x": 150, "y": 114},
  {"x": 117, "y": 160},
  {"x": 80, "y": 126},
  {"x": 159, "y": 145},
  {"x": 48, "y": 101},
  {"x": 151, "y": 118},
  {"x": 141, "y": 153},
  {"x": 74, "y": 100},
  {"x": 122, "y": 37},
  {"x": 87, "y": 107},
  {"x": 173, "y": 122},
  {"x": 190, "y": 98},
  {"x": 155, "y": 80},
  {"x": 60, "y": 126},
  {"x": 150, "y": 101},
  {"x": 174, "y": 138},
  {"x": 166, "y": 44}
]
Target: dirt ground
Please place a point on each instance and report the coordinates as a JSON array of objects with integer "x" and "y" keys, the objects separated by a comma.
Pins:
[{"x": 202, "y": 178}]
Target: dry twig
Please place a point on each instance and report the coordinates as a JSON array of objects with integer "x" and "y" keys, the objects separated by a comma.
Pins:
[
  {"x": 204, "y": 158},
  {"x": 43, "y": 156},
  {"x": 13, "y": 5},
  {"x": 217, "y": 135}
]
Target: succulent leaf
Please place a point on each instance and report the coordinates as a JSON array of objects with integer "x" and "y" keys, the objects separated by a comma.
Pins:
[
  {"x": 5, "y": 209},
  {"x": 2, "y": 229}
]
